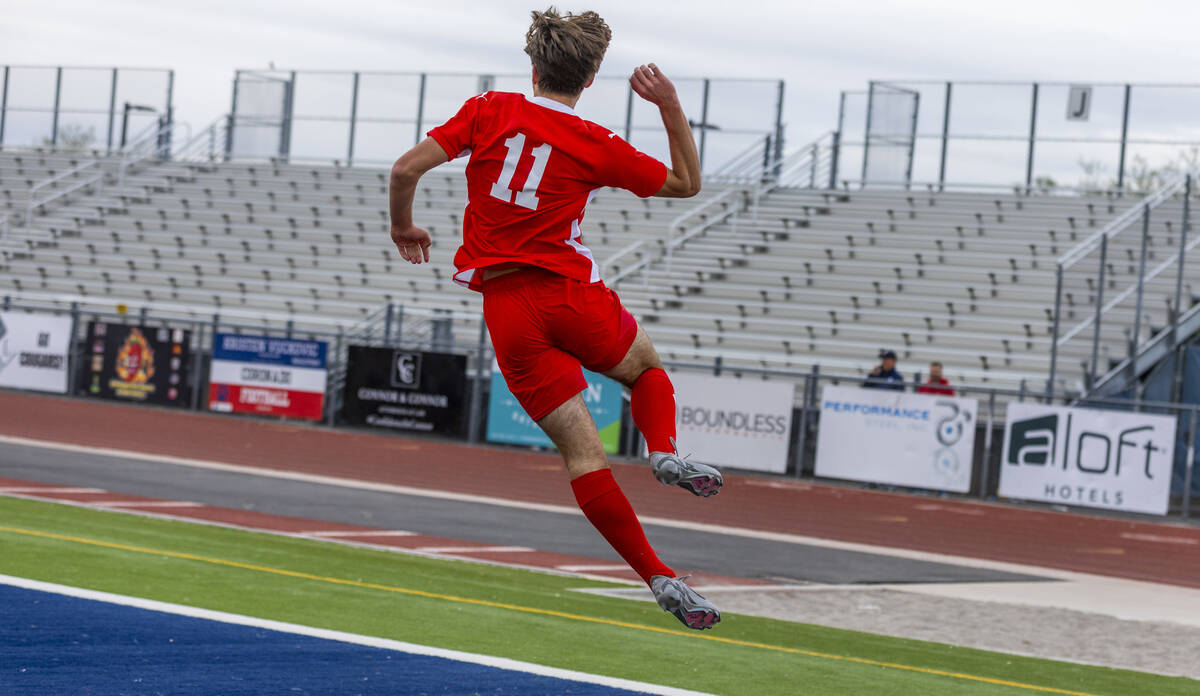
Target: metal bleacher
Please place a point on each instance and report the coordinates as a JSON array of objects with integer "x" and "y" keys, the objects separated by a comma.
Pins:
[{"x": 785, "y": 278}]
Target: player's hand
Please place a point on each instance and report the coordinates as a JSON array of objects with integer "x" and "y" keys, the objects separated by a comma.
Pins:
[
  {"x": 653, "y": 86},
  {"x": 413, "y": 243}
]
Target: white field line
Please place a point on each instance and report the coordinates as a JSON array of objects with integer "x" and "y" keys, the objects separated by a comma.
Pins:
[
  {"x": 593, "y": 567},
  {"x": 50, "y": 489},
  {"x": 335, "y": 534},
  {"x": 369, "y": 641},
  {"x": 145, "y": 503},
  {"x": 474, "y": 549}
]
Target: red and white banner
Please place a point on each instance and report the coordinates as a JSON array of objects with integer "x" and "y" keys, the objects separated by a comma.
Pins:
[{"x": 268, "y": 376}]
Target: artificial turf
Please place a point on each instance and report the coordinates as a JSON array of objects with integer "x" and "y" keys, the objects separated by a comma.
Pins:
[{"x": 507, "y": 612}]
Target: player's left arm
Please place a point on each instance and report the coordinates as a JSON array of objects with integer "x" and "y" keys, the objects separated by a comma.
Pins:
[{"x": 412, "y": 241}]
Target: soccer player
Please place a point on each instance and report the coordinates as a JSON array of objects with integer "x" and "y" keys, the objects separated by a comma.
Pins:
[{"x": 534, "y": 165}]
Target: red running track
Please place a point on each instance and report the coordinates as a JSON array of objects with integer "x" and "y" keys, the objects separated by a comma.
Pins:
[{"x": 1149, "y": 551}]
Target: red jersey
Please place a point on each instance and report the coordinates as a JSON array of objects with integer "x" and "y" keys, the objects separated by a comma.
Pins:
[
  {"x": 534, "y": 167},
  {"x": 941, "y": 387}
]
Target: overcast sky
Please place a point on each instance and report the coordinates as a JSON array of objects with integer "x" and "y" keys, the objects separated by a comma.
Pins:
[{"x": 818, "y": 48}]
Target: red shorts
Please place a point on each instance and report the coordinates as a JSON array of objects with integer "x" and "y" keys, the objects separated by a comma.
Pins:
[{"x": 545, "y": 326}]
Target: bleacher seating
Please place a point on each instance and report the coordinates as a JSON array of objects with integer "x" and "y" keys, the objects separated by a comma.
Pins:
[{"x": 798, "y": 278}]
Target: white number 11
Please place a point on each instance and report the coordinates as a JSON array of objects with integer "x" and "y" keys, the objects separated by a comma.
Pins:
[{"x": 526, "y": 197}]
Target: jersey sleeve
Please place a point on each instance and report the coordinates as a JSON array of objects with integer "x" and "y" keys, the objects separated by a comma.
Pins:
[
  {"x": 455, "y": 135},
  {"x": 624, "y": 166}
]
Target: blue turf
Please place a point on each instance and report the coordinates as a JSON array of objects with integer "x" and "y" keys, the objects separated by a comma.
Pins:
[{"x": 53, "y": 644}]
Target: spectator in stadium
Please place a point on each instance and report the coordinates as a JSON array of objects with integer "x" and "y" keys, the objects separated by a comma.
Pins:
[
  {"x": 937, "y": 384},
  {"x": 534, "y": 165},
  {"x": 885, "y": 375}
]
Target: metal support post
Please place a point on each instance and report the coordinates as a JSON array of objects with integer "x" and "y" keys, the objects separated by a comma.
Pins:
[
  {"x": 717, "y": 366},
  {"x": 420, "y": 107},
  {"x": 1099, "y": 310},
  {"x": 912, "y": 140},
  {"x": 778, "y": 154},
  {"x": 353, "y": 122},
  {"x": 112, "y": 111},
  {"x": 629, "y": 114},
  {"x": 1190, "y": 465},
  {"x": 289, "y": 112},
  {"x": 331, "y": 383},
  {"x": 166, "y": 133},
  {"x": 867, "y": 132},
  {"x": 232, "y": 122},
  {"x": 74, "y": 357},
  {"x": 1058, "y": 286},
  {"x": 387, "y": 324},
  {"x": 3, "y": 104},
  {"x": 475, "y": 424},
  {"x": 1183, "y": 235},
  {"x": 197, "y": 380},
  {"x": 1032, "y": 139},
  {"x": 834, "y": 152},
  {"x": 704, "y": 121},
  {"x": 945, "y": 138},
  {"x": 291, "y": 326},
  {"x": 1141, "y": 291},
  {"x": 57, "y": 103},
  {"x": 985, "y": 469},
  {"x": 1124, "y": 139},
  {"x": 802, "y": 443}
]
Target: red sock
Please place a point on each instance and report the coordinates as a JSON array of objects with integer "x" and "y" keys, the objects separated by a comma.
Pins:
[
  {"x": 609, "y": 511},
  {"x": 653, "y": 406}
]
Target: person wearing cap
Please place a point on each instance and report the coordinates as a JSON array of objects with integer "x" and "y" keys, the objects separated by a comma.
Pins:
[{"x": 885, "y": 375}]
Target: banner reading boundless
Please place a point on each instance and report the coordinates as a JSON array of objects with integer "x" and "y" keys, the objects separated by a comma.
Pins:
[
  {"x": 895, "y": 438},
  {"x": 269, "y": 376},
  {"x": 406, "y": 390},
  {"x": 33, "y": 351},
  {"x": 138, "y": 363},
  {"x": 1079, "y": 456},
  {"x": 508, "y": 422},
  {"x": 742, "y": 423}
]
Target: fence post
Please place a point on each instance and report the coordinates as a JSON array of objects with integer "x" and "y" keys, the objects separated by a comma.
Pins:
[
  {"x": 867, "y": 132},
  {"x": 985, "y": 470},
  {"x": 704, "y": 122},
  {"x": 291, "y": 326},
  {"x": 387, "y": 325},
  {"x": 420, "y": 107},
  {"x": 834, "y": 154},
  {"x": 1032, "y": 139},
  {"x": 1141, "y": 287},
  {"x": 945, "y": 139},
  {"x": 1058, "y": 285},
  {"x": 112, "y": 111},
  {"x": 3, "y": 104},
  {"x": 57, "y": 103},
  {"x": 353, "y": 122},
  {"x": 74, "y": 356},
  {"x": 1124, "y": 140},
  {"x": 1189, "y": 465},
  {"x": 629, "y": 114},
  {"x": 331, "y": 382},
  {"x": 802, "y": 444},
  {"x": 1099, "y": 312},
  {"x": 197, "y": 381},
  {"x": 1183, "y": 233},
  {"x": 475, "y": 424}
]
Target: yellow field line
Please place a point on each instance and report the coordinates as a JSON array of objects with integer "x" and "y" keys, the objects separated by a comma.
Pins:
[{"x": 535, "y": 610}]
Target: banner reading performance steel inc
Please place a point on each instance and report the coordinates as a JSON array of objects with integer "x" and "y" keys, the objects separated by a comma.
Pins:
[
  {"x": 406, "y": 390},
  {"x": 33, "y": 351},
  {"x": 138, "y": 363}
]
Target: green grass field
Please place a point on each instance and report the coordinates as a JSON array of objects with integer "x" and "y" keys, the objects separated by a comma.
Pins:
[{"x": 505, "y": 612}]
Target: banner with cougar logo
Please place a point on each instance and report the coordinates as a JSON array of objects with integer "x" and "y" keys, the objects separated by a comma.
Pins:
[
  {"x": 741, "y": 423},
  {"x": 33, "y": 351},
  {"x": 1116, "y": 460},
  {"x": 896, "y": 438}
]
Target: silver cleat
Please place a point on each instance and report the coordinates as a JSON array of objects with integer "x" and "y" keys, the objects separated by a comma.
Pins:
[
  {"x": 672, "y": 470},
  {"x": 674, "y": 596}
]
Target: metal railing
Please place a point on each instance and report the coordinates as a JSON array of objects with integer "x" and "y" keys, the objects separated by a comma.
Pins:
[{"x": 1098, "y": 282}]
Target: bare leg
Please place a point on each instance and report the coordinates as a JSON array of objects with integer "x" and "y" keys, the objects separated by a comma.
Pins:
[
  {"x": 571, "y": 428},
  {"x": 640, "y": 357}
]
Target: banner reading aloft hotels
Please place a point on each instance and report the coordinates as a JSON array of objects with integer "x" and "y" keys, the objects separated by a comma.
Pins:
[
  {"x": 741, "y": 423},
  {"x": 138, "y": 363},
  {"x": 33, "y": 351},
  {"x": 1076, "y": 456},
  {"x": 267, "y": 375},
  {"x": 892, "y": 437}
]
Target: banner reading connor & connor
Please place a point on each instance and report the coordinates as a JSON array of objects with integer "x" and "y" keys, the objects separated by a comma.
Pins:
[
  {"x": 508, "y": 422},
  {"x": 138, "y": 363},
  {"x": 741, "y": 423},
  {"x": 896, "y": 438},
  {"x": 1076, "y": 456},
  {"x": 266, "y": 375},
  {"x": 33, "y": 351},
  {"x": 406, "y": 390}
]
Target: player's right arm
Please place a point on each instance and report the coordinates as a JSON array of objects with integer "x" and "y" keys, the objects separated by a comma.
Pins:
[{"x": 683, "y": 176}]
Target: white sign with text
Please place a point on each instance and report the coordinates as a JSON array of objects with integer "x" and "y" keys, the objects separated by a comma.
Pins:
[{"x": 739, "y": 423}]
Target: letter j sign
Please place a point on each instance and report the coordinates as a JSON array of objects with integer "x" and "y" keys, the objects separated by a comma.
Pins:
[{"x": 1079, "y": 102}]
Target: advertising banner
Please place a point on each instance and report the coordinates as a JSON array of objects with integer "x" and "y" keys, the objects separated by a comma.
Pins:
[
  {"x": 267, "y": 375},
  {"x": 406, "y": 390},
  {"x": 1076, "y": 456},
  {"x": 741, "y": 423},
  {"x": 138, "y": 363},
  {"x": 33, "y": 351},
  {"x": 896, "y": 438},
  {"x": 508, "y": 422}
]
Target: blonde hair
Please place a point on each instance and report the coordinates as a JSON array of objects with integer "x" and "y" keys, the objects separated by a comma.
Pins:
[{"x": 566, "y": 51}]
